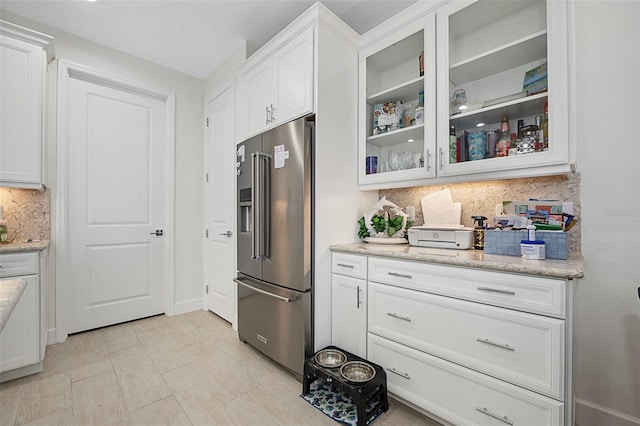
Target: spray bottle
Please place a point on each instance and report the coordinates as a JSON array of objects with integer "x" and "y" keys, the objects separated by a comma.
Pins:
[
  {"x": 4, "y": 233},
  {"x": 478, "y": 231}
]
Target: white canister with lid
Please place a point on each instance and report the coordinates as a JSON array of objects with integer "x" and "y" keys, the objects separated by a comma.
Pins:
[{"x": 532, "y": 249}]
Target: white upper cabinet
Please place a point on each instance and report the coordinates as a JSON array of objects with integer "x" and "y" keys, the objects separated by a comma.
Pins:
[
  {"x": 484, "y": 51},
  {"x": 394, "y": 146},
  {"x": 488, "y": 49},
  {"x": 23, "y": 62},
  {"x": 277, "y": 88}
]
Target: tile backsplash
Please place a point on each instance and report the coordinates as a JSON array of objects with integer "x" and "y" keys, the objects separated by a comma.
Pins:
[
  {"x": 480, "y": 198},
  {"x": 27, "y": 213}
]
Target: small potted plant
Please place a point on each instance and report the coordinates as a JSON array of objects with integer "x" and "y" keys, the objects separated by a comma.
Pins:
[{"x": 386, "y": 223}]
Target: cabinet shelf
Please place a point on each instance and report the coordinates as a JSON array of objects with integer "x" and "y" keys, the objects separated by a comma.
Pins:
[
  {"x": 397, "y": 136},
  {"x": 510, "y": 55},
  {"x": 523, "y": 107},
  {"x": 405, "y": 91}
]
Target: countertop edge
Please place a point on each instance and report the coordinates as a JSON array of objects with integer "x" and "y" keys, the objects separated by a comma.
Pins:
[
  {"x": 553, "y": 268},
  {"x": 6, "y": 248}
]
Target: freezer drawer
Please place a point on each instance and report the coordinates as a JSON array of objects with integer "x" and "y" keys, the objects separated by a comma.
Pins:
[{"x": 276, "y": 321}]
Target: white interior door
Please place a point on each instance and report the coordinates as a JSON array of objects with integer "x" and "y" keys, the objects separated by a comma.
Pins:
[
  {"x": 117, "y": 145},
  {"x": 221, "y": 206}
]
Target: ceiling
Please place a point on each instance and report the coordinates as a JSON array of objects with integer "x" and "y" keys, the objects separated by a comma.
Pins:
[{"x": 190, "y": 36}]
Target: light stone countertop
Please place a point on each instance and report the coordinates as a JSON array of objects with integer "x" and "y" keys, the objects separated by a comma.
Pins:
[
  {"x": 10, "y": 292},
  {"x": 21, "y": 247},
  {"x": 555, "y": 268}
]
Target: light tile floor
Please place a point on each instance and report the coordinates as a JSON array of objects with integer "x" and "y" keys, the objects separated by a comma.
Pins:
[{"x": 189, "y": 369}]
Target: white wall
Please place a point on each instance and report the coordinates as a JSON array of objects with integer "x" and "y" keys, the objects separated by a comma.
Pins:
[
  {"x": 607, "y": 308},
  {"x": 225, "y": 72},
  {"x": 188, "y": 155}
]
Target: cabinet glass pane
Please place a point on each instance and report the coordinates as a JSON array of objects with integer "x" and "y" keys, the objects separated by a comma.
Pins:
[
  {"x": 497, "y": 72},
  {"x": 394, "y": 141}
]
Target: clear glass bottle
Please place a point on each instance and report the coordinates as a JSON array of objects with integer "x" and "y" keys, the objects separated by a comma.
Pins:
[
  {"x": 419, "y": 111},
  {"x": 545, "y": 126},
  {"x": 453, "y": 146},
  {"x": 503, "y": 145}
]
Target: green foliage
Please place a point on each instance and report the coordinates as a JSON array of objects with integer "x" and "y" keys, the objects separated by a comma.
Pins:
[
  {"x": 363, "y": 232},
  {"x": 379, "y": 224},
  {"x": 395, "y": 225}
]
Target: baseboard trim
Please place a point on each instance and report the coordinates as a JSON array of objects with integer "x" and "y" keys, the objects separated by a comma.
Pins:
[
  {"x": 591, "y": 414},
  {"x": 187, "y": 306}
]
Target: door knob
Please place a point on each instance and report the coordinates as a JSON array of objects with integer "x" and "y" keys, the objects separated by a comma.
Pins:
[
  {"x": 158, "y": 233},
  {"x": 227, "y": 234}
]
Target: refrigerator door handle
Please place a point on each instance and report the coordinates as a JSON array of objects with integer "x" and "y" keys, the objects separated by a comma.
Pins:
[
  {"x": 266, "y": 210},
  {"x": 255, "y": 204},
  {"x": 284, "y": 299},
  {"x": 260, "y": 204}
]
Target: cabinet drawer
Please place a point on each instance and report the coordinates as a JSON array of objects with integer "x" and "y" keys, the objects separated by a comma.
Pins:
[
  {"x": 521, "y": 348},
  {"x": 522, "y": 292},
  {"x": 457, "y": 394},
  {"x": 350, "y": 265},
  {"x": 15, "y": 264}
]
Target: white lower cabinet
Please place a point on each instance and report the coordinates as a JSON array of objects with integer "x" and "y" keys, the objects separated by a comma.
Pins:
[
  {"x": 348, "y": 303},
  {"x": 457, "y": 394},
  {"x": 19, "y": 337},
  {"x": 23, "y": 338},
  {"x": 348, "y": 314},
  {"x": 468, "y": 346},
  {"x": 521, "y": 348}
]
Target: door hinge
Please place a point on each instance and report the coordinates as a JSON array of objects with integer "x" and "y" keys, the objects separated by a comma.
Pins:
[
  {"x": 206, "y": 233},
  {"x": 206, "y": 289},
  {"x": 206, "y": 177},
  {"x": 206, "y": 121}
]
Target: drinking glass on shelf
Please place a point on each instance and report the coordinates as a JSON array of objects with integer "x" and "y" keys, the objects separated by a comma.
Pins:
[
  {"x": 459, "y": 100},
  {"x": 417, "y": 160},
  {"x": 407, "y": 160},
  {"x": 395, "y": 161}
]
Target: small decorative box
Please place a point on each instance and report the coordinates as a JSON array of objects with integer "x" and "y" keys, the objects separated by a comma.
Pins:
[{"x": 508, "y": 243}]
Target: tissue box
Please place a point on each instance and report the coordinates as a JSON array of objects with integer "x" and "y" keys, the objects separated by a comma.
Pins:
[{"x": 508, "y": 243}]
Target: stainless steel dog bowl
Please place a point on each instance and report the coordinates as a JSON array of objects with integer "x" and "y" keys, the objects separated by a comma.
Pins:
[
  {"x": 330, "y": 358},
  {"x": 357, "y": 371}
]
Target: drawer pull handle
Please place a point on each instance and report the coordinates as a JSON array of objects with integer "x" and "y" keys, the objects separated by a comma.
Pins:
[
  {"x": 394, "y": 371},
  {"x": 395, "y": 274},
  {"x": 505, "y": 419},
  {"x": 344, "y": 265},
  {"x": 393, "y": 314},
  {"x": 496, "y": 290},
  {"x": 500, "y": 345}
]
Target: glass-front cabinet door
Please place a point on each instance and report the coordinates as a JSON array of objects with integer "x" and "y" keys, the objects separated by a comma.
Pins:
[
  {"x": 502, "y": 87},
  {"x": 397, "y": 107}
]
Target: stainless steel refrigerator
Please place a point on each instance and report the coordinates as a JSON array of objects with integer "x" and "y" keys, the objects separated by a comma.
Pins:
[{"x": 275, "y": 232}]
